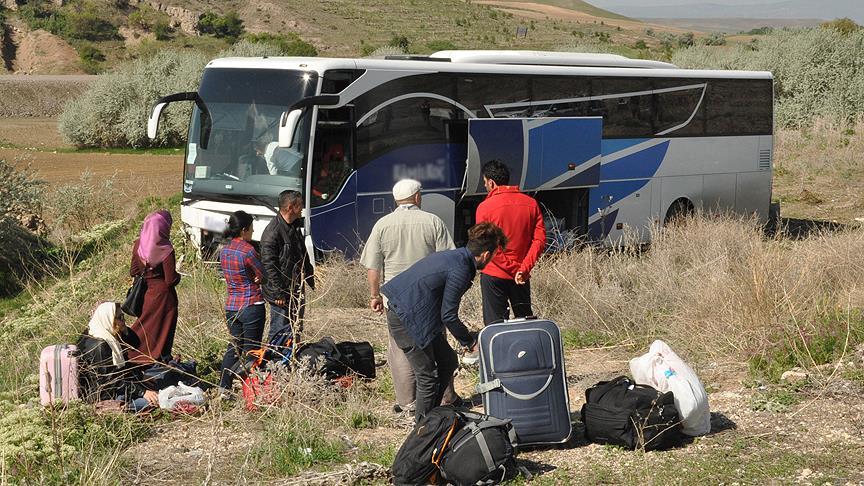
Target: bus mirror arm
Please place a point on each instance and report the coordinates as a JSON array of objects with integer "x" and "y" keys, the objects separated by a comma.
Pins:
[
  {"x": 161, "y": 103},
  {"x": 288, "y": 121}
]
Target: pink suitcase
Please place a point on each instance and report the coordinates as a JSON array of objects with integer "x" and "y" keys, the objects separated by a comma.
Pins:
[{"x": 58, "y": 374}]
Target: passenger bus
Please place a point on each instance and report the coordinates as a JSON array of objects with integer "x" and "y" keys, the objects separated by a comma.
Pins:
[{"x": 606, "y": 144}]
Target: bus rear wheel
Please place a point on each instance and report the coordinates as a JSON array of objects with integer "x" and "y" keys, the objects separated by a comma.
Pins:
[{"x": 678, "y": 212}]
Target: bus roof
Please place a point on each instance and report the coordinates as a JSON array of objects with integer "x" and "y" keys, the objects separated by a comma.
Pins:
[
  {"x": 517, "y": 62},
  {"x": 546, "y": 58}
]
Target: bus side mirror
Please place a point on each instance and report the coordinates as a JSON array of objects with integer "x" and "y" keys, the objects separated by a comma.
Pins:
[
  {"x": 161, "y": 103},
  {"x": 287, "y": 125},
  {"x": 153, "y": 121}
]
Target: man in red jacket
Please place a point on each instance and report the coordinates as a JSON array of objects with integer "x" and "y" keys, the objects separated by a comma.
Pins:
[{"x": 506, "y": 278}]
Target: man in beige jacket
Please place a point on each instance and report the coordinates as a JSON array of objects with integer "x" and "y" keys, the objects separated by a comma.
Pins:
[{"x": 398, "y": 240}]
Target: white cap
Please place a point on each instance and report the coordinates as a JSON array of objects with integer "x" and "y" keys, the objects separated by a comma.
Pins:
[{"x": 405, "y": 189}]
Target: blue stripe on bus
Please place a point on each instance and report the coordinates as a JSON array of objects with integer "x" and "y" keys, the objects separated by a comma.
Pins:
[
  {"x": 634, "y": 166},
  {"x": 611, "y": 146},
  {"x": 619, "y": 190}
]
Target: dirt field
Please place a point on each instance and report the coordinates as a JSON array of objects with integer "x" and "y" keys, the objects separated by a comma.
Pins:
[{"x": 35, "y": 141}]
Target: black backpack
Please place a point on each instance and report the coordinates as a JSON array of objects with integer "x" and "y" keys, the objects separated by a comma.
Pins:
[
  {"x": 623, "y": 413},
  {"x": 481, "y": 452},
  {"x": 457, "y": 446},
  {"x": 418, "y": 458},
  {"x": 337, "y": 360}
]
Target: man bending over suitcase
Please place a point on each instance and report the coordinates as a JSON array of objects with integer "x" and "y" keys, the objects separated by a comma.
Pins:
[
  {"x": 425, "y": 298},
  {"x": 399, "y": 240}
]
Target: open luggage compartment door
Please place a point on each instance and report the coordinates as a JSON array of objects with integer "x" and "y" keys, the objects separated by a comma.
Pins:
[{"x": 542, "y": 153}]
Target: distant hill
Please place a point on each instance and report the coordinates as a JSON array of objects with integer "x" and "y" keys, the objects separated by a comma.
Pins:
[
  {"x": 585, "y": 7},
  {"x": 788, "y": 9},
  {"x": 735, "y": 24}
]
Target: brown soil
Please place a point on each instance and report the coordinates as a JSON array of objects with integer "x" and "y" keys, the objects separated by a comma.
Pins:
[
  {"x": 539, "y": 11},
  {"x": 37, "y": 95},
  {"x": 41, "y": 52},
  {"x": 35, "y": 140}
]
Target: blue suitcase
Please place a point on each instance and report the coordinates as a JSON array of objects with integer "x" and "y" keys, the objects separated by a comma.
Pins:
[{"x": 522, "y": 378}]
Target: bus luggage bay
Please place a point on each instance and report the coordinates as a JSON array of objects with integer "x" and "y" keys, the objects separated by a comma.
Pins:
[{"x": 607, "y": 145}]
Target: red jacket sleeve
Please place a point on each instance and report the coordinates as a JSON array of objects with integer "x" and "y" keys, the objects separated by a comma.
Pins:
[{"x": 538, "y": 242}]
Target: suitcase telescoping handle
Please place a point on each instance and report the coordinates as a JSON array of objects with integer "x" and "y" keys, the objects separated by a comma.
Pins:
[{"x": 521, "y": 319}]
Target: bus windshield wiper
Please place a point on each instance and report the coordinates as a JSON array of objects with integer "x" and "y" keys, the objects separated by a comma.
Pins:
[{"x": 263, "y": 202}]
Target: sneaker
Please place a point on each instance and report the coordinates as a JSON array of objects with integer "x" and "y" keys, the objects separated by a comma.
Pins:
[
  {"x": 407, "y": 409},
  {"x": 471, "y": 358}
]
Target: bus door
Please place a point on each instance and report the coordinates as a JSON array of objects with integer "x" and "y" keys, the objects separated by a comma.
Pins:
[
  {"x": 332, "y": 183},
  {"x": 558, "y": 159}
]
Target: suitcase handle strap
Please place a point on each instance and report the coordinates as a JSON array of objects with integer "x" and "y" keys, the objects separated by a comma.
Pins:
[{"x": 484, "y": 388}]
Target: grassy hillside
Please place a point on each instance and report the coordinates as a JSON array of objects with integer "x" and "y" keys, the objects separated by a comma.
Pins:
[{"x": 104, "y": 33}]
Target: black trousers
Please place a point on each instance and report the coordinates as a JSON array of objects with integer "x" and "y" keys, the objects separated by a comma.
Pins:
[
  {"x": 500, "y": 296},
  {"x": 433, "y": 365}
]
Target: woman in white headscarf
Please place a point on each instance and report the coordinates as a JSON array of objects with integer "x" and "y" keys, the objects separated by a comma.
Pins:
[{"x": 103, "y": 371}]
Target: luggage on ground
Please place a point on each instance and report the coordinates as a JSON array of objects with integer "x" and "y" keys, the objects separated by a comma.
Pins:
[
  {"x": 174, "y": 396},
  {"x": 481, "y": 452},
  {"x": 457, "y": 446},
  {"x": 417, "y": 460},
  {"x": 620, "y": 412},
  {"x": 58, "y": 374},
  {"x": 337, "y": 360},
  {"x": 662, "y": 369},
  {"x": 522, "y": 378},
  {"x": 259, "y": 388},
  {"x": 162, "y": 375}
]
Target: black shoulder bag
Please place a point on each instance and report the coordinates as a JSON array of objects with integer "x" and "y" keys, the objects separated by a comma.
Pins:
[{"x": 134, "y": 302}]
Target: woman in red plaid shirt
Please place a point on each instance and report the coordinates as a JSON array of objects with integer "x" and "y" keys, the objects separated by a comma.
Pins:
[{"x": 244, "y": 307}]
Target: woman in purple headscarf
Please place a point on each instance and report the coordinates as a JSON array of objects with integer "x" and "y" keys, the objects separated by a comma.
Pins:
[{"x": 153, "y": 255}]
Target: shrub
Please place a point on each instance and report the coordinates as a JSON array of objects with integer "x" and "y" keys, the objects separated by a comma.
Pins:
[
  {"x": 400, "y": 41},
  {"x": 817, "y": 72},
  {"x": 386, "y": 51},
  {"x": 78, "y": 206},
  {"x": 113, "y": 111},
  {"x": 85, "y": 21},
  {"x": 288, "y": 44},
  {"x": 163, "y": 30},
  {"x": 43, "y": 14},
  {"x": 91, "y": 58},
  {"x": 843, "y": 26},
  {"x": 228, "y": 26},
  {"x": 20, "y": 206}
]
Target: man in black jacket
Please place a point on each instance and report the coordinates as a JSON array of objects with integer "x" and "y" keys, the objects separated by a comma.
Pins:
[{"x": 287, "y": 267}]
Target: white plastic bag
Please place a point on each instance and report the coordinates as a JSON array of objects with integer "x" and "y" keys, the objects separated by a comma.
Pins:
[
  {"x": 171, "y": 396},
  {"x": 662, "y": 369}
]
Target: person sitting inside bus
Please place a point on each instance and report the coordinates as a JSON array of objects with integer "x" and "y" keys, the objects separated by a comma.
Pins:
[
  {"x": 332, "y": 171},
  {"x": 104, "y": 370},
  {"x": 279, "y": 159}
]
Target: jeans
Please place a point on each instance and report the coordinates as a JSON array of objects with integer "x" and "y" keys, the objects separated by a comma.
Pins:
[
  {"x": 246, "y": 327},
  {"x": 433, "y": 366},
  {"x": 288, "y": 316},
  {"x": 136, "y": 405},
  {"x": 502, "y": 295}
]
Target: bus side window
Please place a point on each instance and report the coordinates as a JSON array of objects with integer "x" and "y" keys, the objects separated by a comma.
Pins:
[{"x": 332, "y": 160}]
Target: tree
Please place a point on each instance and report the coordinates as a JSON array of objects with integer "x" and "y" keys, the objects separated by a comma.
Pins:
[
  {"x": 229, "y": 26},
  {"x": 844, "y": 25}
]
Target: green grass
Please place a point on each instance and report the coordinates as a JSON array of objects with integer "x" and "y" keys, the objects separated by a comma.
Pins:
[{"x": 576, "y": 339}]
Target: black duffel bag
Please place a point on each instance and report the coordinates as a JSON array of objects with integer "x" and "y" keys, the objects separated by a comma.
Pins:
[
  {"x": 334, "y": 360},
  {"x": 481, "y": 452},
  {"x": 620, "y": 412}
]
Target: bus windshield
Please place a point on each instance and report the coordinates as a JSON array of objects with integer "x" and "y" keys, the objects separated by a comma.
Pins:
[{"x": 242, "y": 157}]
